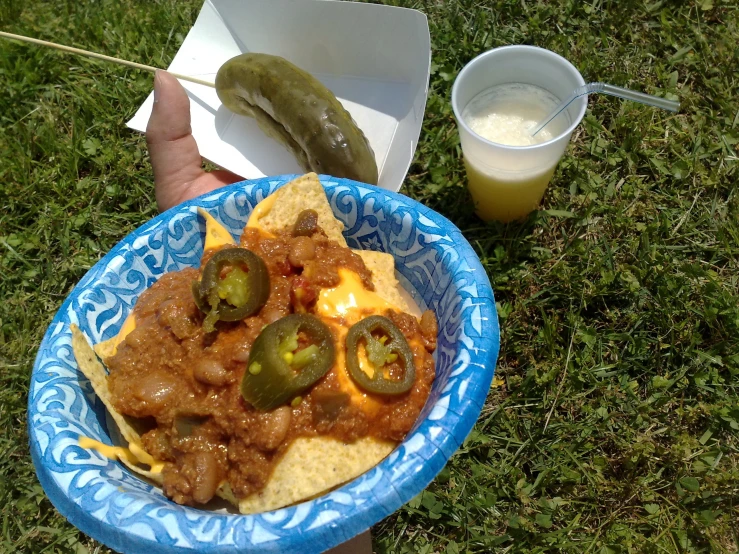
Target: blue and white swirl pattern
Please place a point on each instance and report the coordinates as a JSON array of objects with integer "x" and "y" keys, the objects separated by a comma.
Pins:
[{"x": 103, "y": 499}]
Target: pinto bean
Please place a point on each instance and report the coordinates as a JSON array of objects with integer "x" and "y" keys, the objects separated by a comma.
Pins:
[
  {"x": 207, "y": 476},
  {"x": 154, "y": 391},
  {"x": 242, "y": 354},
  {"x": 210, "y": 372},
  {"x": 302, "y": 250},
  {"x": 276, "y": 424}
]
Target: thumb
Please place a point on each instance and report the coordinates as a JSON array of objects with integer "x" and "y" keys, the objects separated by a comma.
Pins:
[{"x": 174, "y": 153}]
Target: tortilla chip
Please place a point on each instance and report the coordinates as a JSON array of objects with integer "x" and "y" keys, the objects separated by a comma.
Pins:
[
  {"x": 303, "y": 193},
  {"x": 91, "y": 368},
  {"x": 382, "y": 267},
  {"x": 107, "y": 348},
  {"x": 313, "y": 466}
]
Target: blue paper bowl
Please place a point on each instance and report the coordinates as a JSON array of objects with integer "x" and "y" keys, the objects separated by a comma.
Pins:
[{"x": 107, "y": 502}]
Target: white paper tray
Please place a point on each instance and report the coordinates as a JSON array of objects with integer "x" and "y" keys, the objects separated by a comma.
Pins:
[{"x": 375, "y": 59}]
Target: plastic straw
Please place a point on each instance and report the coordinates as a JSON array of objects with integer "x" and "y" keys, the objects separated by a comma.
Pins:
[{"x": 648, "y": 99}]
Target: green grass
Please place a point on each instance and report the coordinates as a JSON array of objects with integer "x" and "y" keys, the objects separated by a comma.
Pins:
[{"x": 615, "y": 427}]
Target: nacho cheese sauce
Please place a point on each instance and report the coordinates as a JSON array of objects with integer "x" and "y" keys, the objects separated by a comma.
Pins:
[{"x": 184, "y": 384}]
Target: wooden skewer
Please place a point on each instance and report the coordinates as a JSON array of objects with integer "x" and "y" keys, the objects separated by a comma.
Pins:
[{"x": 102, "y": 57}]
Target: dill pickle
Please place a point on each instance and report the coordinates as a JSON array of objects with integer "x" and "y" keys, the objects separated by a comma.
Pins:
[{"x": 296, "y": 109}]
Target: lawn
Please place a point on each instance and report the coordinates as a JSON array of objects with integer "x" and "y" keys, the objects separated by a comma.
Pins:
[{"x": 613, "y": 424}]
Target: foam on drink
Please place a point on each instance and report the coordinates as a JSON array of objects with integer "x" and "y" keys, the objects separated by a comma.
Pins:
[{"x": 507, "y": 113}]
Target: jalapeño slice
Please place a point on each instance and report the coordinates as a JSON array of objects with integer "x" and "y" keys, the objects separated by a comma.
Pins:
[
  {"x": 234, "y": 285},
  {"x": 280, "y": 367},
  {"x": 384, "y": 344}
]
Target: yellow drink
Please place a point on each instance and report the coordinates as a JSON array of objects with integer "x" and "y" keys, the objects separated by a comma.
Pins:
[{"x": 506, "y": 196}]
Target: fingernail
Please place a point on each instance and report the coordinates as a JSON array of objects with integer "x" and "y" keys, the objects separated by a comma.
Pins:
[{"x": 156, "y": 86}]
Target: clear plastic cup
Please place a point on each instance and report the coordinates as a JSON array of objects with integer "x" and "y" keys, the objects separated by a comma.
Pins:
[{"x": 508, "y": 182}]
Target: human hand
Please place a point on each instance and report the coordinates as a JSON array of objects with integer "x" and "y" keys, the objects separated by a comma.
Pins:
[{"x": 178, "y": 166}]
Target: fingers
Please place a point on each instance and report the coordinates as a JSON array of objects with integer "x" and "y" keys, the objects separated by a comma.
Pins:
[
  {"x": 175, "y": 159},
  {"x": 172, "y": 148}
]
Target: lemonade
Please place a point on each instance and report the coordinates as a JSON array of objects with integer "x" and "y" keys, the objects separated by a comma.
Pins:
[
  {"x": 505, "y": 114},
  {"x": 506, "y": 196}
]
